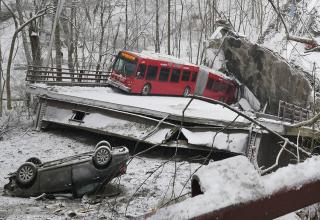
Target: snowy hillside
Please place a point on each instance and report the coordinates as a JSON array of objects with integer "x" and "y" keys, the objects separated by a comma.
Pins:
[{"x": 87, "y": 36}]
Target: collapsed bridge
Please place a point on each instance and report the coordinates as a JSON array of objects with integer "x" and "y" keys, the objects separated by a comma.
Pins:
[{"x": 166, "y": 121}]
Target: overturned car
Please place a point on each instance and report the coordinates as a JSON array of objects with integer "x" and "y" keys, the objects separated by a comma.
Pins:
[{"x": 80, "y": 174}]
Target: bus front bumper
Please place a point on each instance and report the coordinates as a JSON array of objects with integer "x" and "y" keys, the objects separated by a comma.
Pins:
[{"x": 119, "y": 85}]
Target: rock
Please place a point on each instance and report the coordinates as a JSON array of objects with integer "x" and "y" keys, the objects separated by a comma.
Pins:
[
  {"x": 266, "y": 74},
  {"x": 71, "y": 214}
]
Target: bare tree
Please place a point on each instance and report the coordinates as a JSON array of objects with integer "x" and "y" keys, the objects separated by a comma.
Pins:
[
  {"x": 126, "y": 31},
  {"x": 23, "y": 33},
  {"x": 157, "y": 42},
  {"x": 1, "y": 77},
  {"x": 169, "y": 24},
  {"x": 103, "y": 27},
  {"x": 180, "y": 28},
  {"x": 14, "y": 37},
  {"x": 57, "y": 43},
  {"x": 68, "y": 29},
  {"x": 35, "y": 43}
]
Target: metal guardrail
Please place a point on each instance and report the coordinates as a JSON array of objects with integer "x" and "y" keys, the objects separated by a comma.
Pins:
[
  {"x": 291, "y": 112},
  {"x": 64, "y": 76}
]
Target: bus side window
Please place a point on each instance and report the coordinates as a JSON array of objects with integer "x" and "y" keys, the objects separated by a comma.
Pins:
[
  {"x": 175, "y": 75},
  {"x": 215, "y": 86},
  {"x": 141, "y": 71},
  {"x": 185, "y": 75},
  {"x": 194, "y": 77},
  {"x": 209, "y": 84},
  {"x": 152, "y": 73},
  {"x": 164, "y": 74},
  {"x": 219, "y": 86}
]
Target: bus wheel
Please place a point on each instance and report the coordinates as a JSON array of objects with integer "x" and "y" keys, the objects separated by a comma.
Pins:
[
  {"x": 186, "y": 91},
  {"x": 146, "y": 89}
]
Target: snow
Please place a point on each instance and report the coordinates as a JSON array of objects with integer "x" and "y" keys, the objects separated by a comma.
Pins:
[
  {"x": 240, "y": 183},
  {"x": 295, "y": 176},
  {"x": 216, "y": 34},
  {"x": 169, "y": 105},
  {"x": 21, "y": 143},
  {"x": 312, "y": 4},
  {"x": 163, "y": 57},
  {"x": 290, "y": 216},
  {"x": 234, "y": 180},
  {"x": 236, "y": 142}
]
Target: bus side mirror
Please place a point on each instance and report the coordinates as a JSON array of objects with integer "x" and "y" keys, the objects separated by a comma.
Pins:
[{"x": 138, "y": 75}]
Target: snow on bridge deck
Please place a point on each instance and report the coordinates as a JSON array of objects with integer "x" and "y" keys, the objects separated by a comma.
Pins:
[{"x": 154, "y": 106}]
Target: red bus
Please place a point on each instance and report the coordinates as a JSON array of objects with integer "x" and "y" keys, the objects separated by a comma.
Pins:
[{"x": 152, "y": 73}]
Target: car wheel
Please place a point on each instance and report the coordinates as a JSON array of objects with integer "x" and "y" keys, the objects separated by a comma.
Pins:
[
  {"x": 26, "y": 173},
  {"x": 103, "y": 143},
  {"x": 102, "y": 156},
  {"x": 186, "y": 91},
  {"x": 35, "y": 160},
  {"x": 146, "y": 89}
]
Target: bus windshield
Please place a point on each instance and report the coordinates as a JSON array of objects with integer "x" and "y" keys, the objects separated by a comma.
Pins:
[{"x": 124, "y": 66}]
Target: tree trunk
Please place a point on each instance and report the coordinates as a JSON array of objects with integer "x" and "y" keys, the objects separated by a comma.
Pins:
[
  {"x": 126, "y": 31},
  {"x": 71, "y": 39},
  {"x": 180, "y": 29},
  {"x": 169, "y": 31},
  {"x": 76, "y": 39},
  {"x": 116, "y": 37},
  {"x": 1, "y": 75},
  {"x": 23, "y": 33},
  {"x": 144, "y": 22},
  {"x": 57, "y": 43},
  {"x": 102, "y": 26},
  {"x": 157, "y": 44},
  {"x": 35, "y": 44}
]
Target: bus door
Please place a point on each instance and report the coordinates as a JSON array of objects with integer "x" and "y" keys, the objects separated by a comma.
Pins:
[
  {"x": 185, "y": 83},
  {"x": 139, "y": 80},
  {"x": 151, "y": 76}
]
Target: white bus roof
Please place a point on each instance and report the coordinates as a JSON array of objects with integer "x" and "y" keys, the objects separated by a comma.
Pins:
[{"x": 162, "y": 57}]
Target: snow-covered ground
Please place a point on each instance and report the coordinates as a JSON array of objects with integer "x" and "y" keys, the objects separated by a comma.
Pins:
[{"x": 21, "y": 143}]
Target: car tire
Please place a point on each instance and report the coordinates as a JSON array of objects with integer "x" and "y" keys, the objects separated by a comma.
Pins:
[
  {"x": 146, "y": 89},
  {"x": 101, "y": 156},
  {"x": 103, "y": 143},
  {"x": 35, "y": 160},
  {"x": 186, "y": 91},
  {"x": 26, "y": 173}
]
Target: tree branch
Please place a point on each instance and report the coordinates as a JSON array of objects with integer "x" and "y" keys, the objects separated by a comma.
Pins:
[
  {"x": 14, "y": 37},
  {"x": 309, "y": 122}
]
